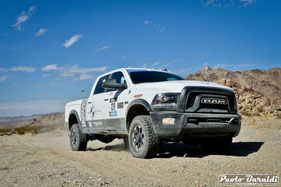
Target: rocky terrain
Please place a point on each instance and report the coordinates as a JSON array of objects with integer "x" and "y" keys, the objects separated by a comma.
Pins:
[
  {"x": 44, "y": 123},
  {"x": 45, "y": 159},
  {"x": 258, "y": 91},
  {"x": 5, "y": 121},
  {"x": 34, "y": 120}
]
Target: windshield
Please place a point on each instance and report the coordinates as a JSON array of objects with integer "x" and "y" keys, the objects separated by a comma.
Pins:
[{"x": 143, "y": 76}]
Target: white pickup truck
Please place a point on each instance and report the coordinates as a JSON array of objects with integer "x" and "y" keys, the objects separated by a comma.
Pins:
[{"x": 145, "y": 107}]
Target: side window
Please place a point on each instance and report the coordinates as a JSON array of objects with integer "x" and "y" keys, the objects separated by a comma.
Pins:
[
  {"x": 99, "y": 88},
  {"x": 119, "y": 77}
]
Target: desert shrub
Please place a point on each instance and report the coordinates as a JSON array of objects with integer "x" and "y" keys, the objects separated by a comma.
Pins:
[
  {"x": 28, "y": 129},
  {"x": 257, "y": 113},
  {"x": 260, "y": 108},
  {"x": 5, "y": 131},
  {"x": 245, "y": 113}
]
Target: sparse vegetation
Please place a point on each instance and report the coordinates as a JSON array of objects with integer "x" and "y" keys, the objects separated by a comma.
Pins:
[
  {"x": 278, "y": 115},
  {"x": 245, "y": 113},
  {"x": 28, "y": 129}
]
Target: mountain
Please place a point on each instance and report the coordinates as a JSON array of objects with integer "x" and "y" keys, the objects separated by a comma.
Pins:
[
  {"x": 53, "y": 119},
  {"x": 258, "y": 91},
  {"x": 9, "y": 120}
]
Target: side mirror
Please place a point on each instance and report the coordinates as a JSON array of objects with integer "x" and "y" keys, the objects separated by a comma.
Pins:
[{"x": 111, "y": 83}]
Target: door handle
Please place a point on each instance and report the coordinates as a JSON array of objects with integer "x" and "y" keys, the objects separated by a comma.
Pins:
[
  {"x": 106, "y": 99},
  {"x": 89, "y": 102}
]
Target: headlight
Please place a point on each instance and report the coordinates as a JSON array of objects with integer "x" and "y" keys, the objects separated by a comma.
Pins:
[{"x": 165, "y": 100}]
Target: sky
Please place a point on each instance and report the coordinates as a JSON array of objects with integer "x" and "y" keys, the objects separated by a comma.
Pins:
[{"x": 51, "y": 50}]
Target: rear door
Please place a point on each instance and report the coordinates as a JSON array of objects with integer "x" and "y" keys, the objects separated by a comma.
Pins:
[{"x": 97, "y": 107}]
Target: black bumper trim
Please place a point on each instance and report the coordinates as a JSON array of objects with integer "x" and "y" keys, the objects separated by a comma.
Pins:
[{"x": 207, "y": 125}]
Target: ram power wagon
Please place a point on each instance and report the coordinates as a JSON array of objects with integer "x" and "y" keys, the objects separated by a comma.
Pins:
[{"x": 145, "y": 107}]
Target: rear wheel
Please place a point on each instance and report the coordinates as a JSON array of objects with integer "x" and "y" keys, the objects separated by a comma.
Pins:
[
  {"x": 78, "y": 140},
  {"x": 143, "y": 142}
]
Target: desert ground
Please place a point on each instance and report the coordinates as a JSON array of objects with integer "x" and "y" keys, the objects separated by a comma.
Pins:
[{"x": 45, "y": 159}]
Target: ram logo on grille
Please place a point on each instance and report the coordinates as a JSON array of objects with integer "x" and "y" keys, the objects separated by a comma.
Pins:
[{"x": 218, "y": 101}]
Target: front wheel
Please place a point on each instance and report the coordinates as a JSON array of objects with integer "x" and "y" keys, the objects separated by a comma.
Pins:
[
  {"x": 78, "y": 140},
  {"x": 143, "y": 142}
]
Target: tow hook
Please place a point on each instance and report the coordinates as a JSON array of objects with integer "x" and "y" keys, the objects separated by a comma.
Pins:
[{"x": 231, "y": 121}]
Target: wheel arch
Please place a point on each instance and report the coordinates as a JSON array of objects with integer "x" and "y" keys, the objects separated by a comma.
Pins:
[
  {"x": 135, "y": 108},
  {"x": 73, "y": 119}
]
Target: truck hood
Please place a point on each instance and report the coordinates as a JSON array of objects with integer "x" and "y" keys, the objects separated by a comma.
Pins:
[{"x": 176, "y": 86}]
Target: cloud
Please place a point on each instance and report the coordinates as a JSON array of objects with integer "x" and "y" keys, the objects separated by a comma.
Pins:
[
  {"x": 23, "y": 69},
  {"x": 71, "y": 71},
  {"x": 204, "y": 54},
  {"x": 220, "y": 66},
  {"x": 3, "y": 78},
  {"x": 19, "y": 68},
  {"x": 103, "y": 48},
  {"x": 209, "y": 2},
  {"x": 84, "y": 77},
  {"x": 76, "y": 69},
  {"x": 227, "y": 3},
  {"x": 244, "y": 65},
  {"x": 39, "y": 53},
  {"x": 29, "y": 107},
  {"x": 72, "y": 40},
  {"x": 147, "y": 22},
  {"x": 46, "y": 75},
  {"x": 50, "y": 67},
  {"x": 23, "y": 17},
  {"x": 247, "y": 2},
  {"x": 155, "y": 63},
  {"x": 41, "y": 32},
  {"x": 161, "y": 27},
  {"x": 233, "y": 66}
]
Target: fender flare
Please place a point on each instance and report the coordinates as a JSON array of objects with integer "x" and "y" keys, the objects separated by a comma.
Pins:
[
  {"x": 141, "y": 102},
  {"x": 74, "y": 112}
]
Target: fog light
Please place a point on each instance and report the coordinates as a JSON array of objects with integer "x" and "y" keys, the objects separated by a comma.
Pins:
[{"x": 168, "y": 121}]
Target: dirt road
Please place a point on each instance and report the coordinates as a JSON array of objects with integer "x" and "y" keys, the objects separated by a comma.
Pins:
[{"x": 45, "y": 159}]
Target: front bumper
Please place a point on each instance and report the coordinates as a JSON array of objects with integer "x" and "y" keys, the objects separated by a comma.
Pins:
[{"x": 196, "y": 125}]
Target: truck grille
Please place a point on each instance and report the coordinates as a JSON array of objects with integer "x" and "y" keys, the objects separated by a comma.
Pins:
[{"x": 208, "y": 102}]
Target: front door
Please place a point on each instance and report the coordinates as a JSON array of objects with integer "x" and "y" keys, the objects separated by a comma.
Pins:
[{"x": 117, "y": 101}]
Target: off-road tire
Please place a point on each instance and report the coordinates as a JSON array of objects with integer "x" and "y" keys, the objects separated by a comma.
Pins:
[
  {"x": 150, "y": 144},
  {"x": 78, "y": 140},
  {"x": 221, "y": 146}
]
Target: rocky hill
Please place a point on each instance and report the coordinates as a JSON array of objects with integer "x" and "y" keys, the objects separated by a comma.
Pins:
[
  {"x": 258, "y": 91},
  {"x": 53, "y": 119},
  {"x": 4, "y": 121}
]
